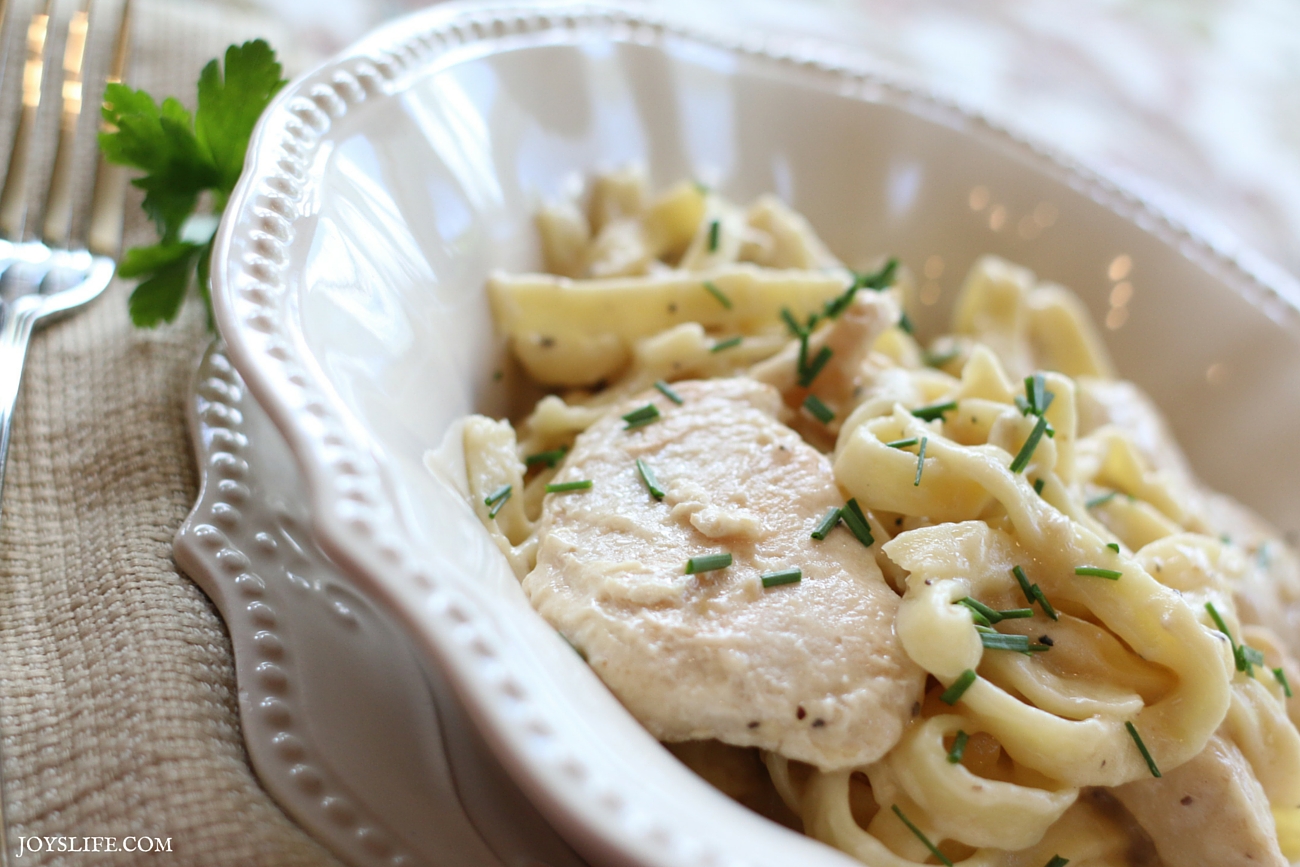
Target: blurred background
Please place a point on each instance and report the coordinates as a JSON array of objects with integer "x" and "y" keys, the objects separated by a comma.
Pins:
[{"x": 1195, "y": 104}]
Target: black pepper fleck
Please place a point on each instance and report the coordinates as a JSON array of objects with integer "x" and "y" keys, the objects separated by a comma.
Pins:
[
  {"x": 754, "y": 724},
  {"x": 547, "y": 342},
  {"x": 1187, "y": 801},
  {"x": 1046, "y": 639},
  {"x": 672, "y": 308},
  {"x": 916, "y": 708},
  {"x": 800, "y": 713},
  {"x": 818, "y": 723}
]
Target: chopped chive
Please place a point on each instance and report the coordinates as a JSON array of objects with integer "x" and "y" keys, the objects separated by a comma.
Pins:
[
  {"x": 1098, "y": 572},
  {"x": 1023, "y": 406},
  {"x": 708, "y": 563},
  {"x": 1100, "y": 500},
  {"x": 667, "y": 391},
  {"x": 1016, "y": 613},
  {"x": 934, "y": 410},
  {"x": 953, "y": 694},
  {"x": 819, "y": 410},
  {"x": 958, "y": 747},
  {"x": 796, "y": 330},
  {"x": 717, "y": 293},
  {"x": 902, "y": 444},
  {"x": 939, "y": 359},
  {"x": 726, "y": 344},
  {"x": 1048, "y": 397},
  {"x": 495, "y": 500},
  {"x": 837, "y": 305},
  {"x": 785, "y": 576},
  {"x": 1218, "y": 620},
  {"x": 1142, "y": 748},
  {"x": 641, "y": 416},
  {"x": 648, "y": 476},
  {"x": 1027, "y": 450},
  {"x": 1038, "y": 486},
  {"x": 856, "y": 521},
  {"x": 713, "y": 236},
  {"x": 809, "y": 372},
  {"x": 920, "y": 461},
  {"x": 981, "y": 609},
  {"x": 1253, "y": 655},
  {"x": 828, "y": 522},
  {"x": 1034, "y": 388},
  {"x": 576, "y": 648},
  {"x": 1025, "y": 587},
  {"x": 1114, "y": 546},
  {"x": 551, "y": 458},
  {"x": 1057, "y": 861},
  {"x": 998, "y": 641},
  {"x": 1033, "y": 593},
  {"x": 905, "y": 323},
  {"x": 565, "y": 487},
  {"x": 1043, "y": 603},
  {"x": 1280, "y": 676},
  {"x": 934, "y": 850},
  {"x": 881, "y": 279}
]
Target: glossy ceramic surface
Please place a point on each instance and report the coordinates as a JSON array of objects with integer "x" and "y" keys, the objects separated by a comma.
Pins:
[
  {"x": 383, "y": 187},
  {"x": 362, "y": 746}
]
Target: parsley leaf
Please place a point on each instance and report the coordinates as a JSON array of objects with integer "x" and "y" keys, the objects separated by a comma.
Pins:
[{"x": 183, "y": 157}]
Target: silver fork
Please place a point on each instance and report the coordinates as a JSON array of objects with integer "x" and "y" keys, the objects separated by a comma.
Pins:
[{"x": 46, "y": 276}]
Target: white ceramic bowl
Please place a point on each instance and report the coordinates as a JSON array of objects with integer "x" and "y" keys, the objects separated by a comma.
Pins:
[{"x": 382, "y": 187}]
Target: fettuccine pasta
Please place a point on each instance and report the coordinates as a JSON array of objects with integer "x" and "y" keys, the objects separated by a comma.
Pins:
[{"x": 962, "y": 603}]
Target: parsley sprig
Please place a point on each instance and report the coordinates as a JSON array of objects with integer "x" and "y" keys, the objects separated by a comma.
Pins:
[{"x": 183, "y": 157}]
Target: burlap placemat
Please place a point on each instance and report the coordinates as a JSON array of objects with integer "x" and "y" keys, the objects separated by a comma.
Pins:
[{"x": 117, "y": 690}]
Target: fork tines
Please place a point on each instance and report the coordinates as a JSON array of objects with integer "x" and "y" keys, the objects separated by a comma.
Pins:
[{"x": 50, "y": 109}]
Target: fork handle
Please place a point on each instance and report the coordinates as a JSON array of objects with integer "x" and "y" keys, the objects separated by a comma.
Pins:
[{"x": 15, "y": 335}]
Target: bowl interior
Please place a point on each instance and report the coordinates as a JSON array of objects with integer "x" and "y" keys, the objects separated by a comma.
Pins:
[{"x": 411, "y": 197}]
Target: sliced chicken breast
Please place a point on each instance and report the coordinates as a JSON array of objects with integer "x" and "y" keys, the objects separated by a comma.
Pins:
[{"x": 812, "y": 670}]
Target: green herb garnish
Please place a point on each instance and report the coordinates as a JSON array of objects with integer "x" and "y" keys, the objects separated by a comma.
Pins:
[
  {"x": 641, "y": 416},
  {"x": 796, "y": 330},
  {"x": 713, "y": 290},
  {"x": 1098, "y": 572},
  {"x": 939, "y": 359},
  {"x": 920, "y": 461},
  {"x": 905, "y": 323},
  {"x": 1038, "y": 486},
  {"x": 1057, "y": 861},
  {"x": 1100, "y": 500},
  {"x": 998, "y": 641},
  {"x": 648, "y": 477},
  {"x": 183, "y": 158},
  {"x": 1027, "y": 450},
  {"x": 934, "y": 410},
  {"x": 958, "y": 747},
  {"x": 881, "y": 279},
  {"x": 565, "y": 487},
  {"x": 808, "y": 371},
  {"x": 980, "y": 613},
  {"x": 666, "y": 390},
  {"x": 953, "y": 694},
  {"x": 551, "y": 458},
  {"x": 726, "y": 344},
  {"x": 827, "y": 523},
  {"x": 902, "y": 444},
  {"x": 1245, "y": 656},
  {"x": 708, "y": 563},
  {"x": 1142, "y": 748},
  {"x": 785, "y": 576},
  {"x": 934, "y": 850},
  {"x": 1033, "y": 593},
  {"x": 1016, "y": 613},
  {"x": 714, "y": 227},
  {"x": 819, "y": 410},
  {"x": 1114, "y": 546},
  {"x": 495, "y": 500},
  {"x": 1280, "y": 676},
  {"x": 856, "y": 521}
]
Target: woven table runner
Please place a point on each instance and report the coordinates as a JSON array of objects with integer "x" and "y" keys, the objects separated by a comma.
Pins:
[{"x": 118, "y": 702}]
